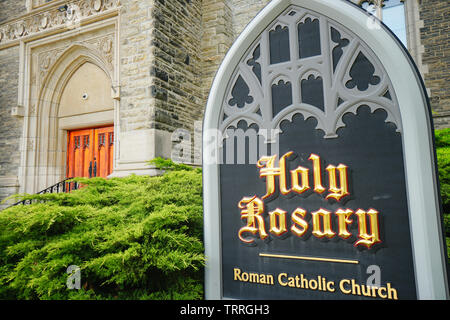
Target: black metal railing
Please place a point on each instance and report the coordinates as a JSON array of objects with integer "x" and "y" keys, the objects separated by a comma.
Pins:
[{"x": 62, "y": 186}]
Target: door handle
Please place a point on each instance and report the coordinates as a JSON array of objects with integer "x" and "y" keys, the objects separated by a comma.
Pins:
[
  {"x": 90, "y": 169},
  {"x": 95, "y": 167}
]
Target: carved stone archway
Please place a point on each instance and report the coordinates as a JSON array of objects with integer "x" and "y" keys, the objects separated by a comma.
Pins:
[{"x": 45, "y": 136}]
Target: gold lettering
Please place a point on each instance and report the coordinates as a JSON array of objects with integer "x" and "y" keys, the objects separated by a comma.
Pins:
[
  {"x": 323, "y": 286},
  {"x": 374, "y": 289},
  {"x": 283, "y": 188},
  {"x": 337, "y": 193},
  {"x": 299, "y": 225},
  {"x": 278, "y": 228},
  {"x": 384, "y": 296},
  {"x": 364, "y": 238},
  {"x": 365, "y": 291},
  {"x": 326, "y": 218},
  {"x": 330, "y": 286},
  {"x": 304, "y": 174},
  {"x": 356, "y": 289},
  {"x": 343, "y": 221},
  {"x": 254, "y": 277},
  {"x": 341, "y": 286},
  {"x": 269, "y": 172},
  {"x": 237, "y": 273},
  {"x": 266, "y": 279},
  {"x": 317, "y": 173},
  {"x": 291, "y": 282},
  {"x": 304, "y": 282},
  {"x": 312, "y": 284},
  {"x": 392, "y": 293},
  {"x": 284, "y": 284},
  {"x": 251, "y": 209}
]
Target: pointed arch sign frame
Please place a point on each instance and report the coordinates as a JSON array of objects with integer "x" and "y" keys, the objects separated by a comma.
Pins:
[{"x": 408, "y": 109}]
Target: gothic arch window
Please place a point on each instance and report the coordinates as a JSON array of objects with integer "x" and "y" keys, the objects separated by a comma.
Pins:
[
  {"x": 392, "y": 13},
  {"x": 304, "y": 63}
]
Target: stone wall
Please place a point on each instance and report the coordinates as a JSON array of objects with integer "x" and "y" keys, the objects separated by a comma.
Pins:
[
  {"x": 223, "y": 21},
  {"x": 435, "y": 37},
  {"x": 217, "y": 38},
  {"x": 176, "y": 69},
  {"x": 161, "y": 70},
  {"x": 11, "y": 8},
  {"x": 243, "y": 12},
  {"x": 10, "y": 127},
  {"x": 135, "y": 64},
  {"x": 138, "y": 140}
]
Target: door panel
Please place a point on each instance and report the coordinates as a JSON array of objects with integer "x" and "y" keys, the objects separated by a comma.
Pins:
[
  {"x": 90, "y": 152},
  {"x": 87, "y": 154},
  {"x": 104, "y": 138},
  {"x": 79, "y": 152}
]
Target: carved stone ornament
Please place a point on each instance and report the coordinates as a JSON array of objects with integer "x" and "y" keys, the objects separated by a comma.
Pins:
[
  {"x": 52, "y": 18},
  {"x": 46, "y": 59},
  {"x": 20, "y": 29},
  {"x": 97, "y": 5},
  {"x": 44, "y": 22},
  {"x": 106, "y": 45},
  {"x": 305, "y": 63},
  {"x": 103, "y": 46}
]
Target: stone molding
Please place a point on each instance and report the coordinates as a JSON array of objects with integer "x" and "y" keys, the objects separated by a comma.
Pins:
[
  {"x": 39, "y": 23},
  {"x": 48, "y": 64},
  {"x": 102, "y": 46}
]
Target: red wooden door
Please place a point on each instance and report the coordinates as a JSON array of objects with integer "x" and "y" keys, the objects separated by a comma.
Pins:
[
  {"x": 103, "y": 151},
  {"x": 90, "y": 152}
]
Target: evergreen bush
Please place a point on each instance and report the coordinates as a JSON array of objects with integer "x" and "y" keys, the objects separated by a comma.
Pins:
[
  {"x": 137, "y": 237},
  {"x": 442, "y": 142}
]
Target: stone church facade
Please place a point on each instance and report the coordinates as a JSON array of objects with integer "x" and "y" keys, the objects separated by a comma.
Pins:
[{"x": 98, "y": 87}]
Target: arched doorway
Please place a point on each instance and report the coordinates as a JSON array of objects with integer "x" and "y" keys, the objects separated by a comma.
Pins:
[
  {"x": 90, "y": 150},
  {"x": 75, "y": 94}
]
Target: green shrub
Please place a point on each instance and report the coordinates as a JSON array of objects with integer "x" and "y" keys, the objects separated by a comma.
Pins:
[
  {"x": 168, "y": 164},
  {"x": 133, "y": 238},
  {"x": 442, "y": 138},
  {"x": 443, "y": 159},
  {"x": 443, "y": 156}
]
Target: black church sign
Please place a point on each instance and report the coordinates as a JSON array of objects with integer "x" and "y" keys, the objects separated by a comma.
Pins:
[{"x": 319, "y": 171}]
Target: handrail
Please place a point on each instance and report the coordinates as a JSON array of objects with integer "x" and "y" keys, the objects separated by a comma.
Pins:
[{"x": 60, "y": 187}]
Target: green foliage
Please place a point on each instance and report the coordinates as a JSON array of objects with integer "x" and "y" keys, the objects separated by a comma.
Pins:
[
  {"x": 443, "y": 158},
  {"x": 442, "y": 138},
  {"x": 168, "y": 164},
  {"x": 133, "y": 238}
]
